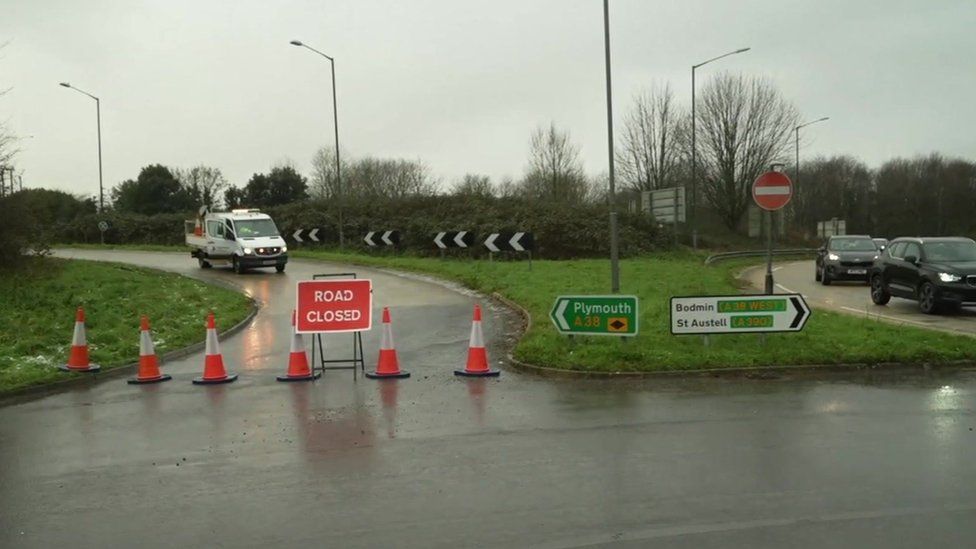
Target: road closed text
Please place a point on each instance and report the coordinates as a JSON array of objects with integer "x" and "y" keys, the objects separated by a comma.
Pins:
[{"x": 342, "y": 305}]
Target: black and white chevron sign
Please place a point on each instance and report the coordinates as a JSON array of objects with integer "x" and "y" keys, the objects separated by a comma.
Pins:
[
  {"x": 510, "y": 242},
  {"x": 454, "y": 239},
  {"x": 382, "y": 238},
  {"x": 311, "y": 235}
]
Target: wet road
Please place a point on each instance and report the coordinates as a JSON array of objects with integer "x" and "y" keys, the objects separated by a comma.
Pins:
[
  {"x": 852, "y": 297},
  {"x": 434, "y": 461}
]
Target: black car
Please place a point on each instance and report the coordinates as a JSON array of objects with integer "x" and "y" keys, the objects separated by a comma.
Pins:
[
  {"x": 937, "y": 272},
  {"x": 847, "y": 257}
]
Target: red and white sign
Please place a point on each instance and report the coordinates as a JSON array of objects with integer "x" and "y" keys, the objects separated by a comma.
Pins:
[
  {"x": 772, "y": 190},
  {"x": 334, "y": 306}
]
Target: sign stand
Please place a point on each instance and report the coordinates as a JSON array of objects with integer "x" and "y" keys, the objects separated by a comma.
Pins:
[{"x": 358, "y": 357}]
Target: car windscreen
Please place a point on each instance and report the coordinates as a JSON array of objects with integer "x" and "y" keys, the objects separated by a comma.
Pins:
[
  {"x": 852, "y": 245},
  {"x": 247, "y": 228},
  {"x": 961, "y": 250}
]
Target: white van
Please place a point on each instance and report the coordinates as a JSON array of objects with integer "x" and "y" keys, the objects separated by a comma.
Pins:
[{"x": 241, "y": 239}]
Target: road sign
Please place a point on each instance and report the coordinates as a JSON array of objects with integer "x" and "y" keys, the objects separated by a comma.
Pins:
[
  {"x": 453, "y": 239},
  {"x": 103, "y": 226},
  {"x": 772, "y": 190},
  {"x": 334, "y": 306},
  {"x": 607, "y": 315},
  {"x": 514, "y": 242},
  {"x": 312, "y": 234},
  {"x": 738, "y": 314},
  {"x": 388, "y": 238},
  {"x": 666, "y": 205},
  {"x": 297, "y": 236}
]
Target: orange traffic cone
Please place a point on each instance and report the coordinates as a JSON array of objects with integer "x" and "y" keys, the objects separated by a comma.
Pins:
[
  {"x": 148, "y": 361},
  {"x": 298, "y": 369},
  {"x": 78, "y": 359},
  {"x": 213, "y": 366},
  {"x": 477, "y": 356},
  {"x": 388, "y": 366}
]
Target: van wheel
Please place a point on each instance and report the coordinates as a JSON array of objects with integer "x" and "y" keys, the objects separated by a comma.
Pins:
[
  {"x": 280, "y": 268},
  {"x": 237, "y": 266},
  {"x": 204, "y": 264}
]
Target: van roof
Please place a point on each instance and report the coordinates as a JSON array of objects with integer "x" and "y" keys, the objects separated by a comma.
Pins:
[{"x": 239, "y": 215}]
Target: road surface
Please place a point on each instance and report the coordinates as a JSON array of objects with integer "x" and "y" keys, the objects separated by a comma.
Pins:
[
  {"x": 855, "y": 298},
  {"x": 435, "y": 461}
]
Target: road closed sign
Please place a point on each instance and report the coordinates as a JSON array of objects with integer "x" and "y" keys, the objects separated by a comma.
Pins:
[{"x": 334, "y": 306}]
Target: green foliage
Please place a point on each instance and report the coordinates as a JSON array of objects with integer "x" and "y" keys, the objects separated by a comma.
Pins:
[
  {"x": 282, "y": 185},
  {"x": 37, "y": 314},
  {"x": 156, "y": 190}
]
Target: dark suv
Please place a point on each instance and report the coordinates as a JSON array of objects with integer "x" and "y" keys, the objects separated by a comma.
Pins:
[
  {"x": 848, "y": 257},
  {"x": 937, "y": 272}
]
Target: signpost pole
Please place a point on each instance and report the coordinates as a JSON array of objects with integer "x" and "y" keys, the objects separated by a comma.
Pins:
[
  {"x": 676, "y": 217},
  {"x": 769, "y": 252}
]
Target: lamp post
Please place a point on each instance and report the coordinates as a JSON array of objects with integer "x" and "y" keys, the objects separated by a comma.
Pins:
[
  {"x": 694, "y": 147},
  {"x": 98, "y": 121},
  {"x": 614, "y": 244},
  {"x": 796, "y": 176},
  {"x": 335, "y": 121}
]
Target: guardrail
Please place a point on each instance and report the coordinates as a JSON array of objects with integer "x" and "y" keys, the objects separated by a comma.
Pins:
[{"x": 757, "y": 253}]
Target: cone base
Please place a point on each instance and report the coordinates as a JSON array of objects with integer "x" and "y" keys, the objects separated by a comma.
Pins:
[
  {"x": 478, "y": 373},
  {"x": 89, "y": 368},
  {"x": 142, "y": 381},
  {"x": 395, "y": 375},
  {"x": 204, "y": 381},
  {"x": 308, "y": 377}
]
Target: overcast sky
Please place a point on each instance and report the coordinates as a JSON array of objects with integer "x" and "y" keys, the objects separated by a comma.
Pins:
[{"x": 459, "y": 84}]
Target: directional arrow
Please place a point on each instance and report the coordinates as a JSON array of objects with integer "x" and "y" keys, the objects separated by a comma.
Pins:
[
  {"x": 559, "y": 314},
  {"x": 490, "y": 243},
  {"x": 297, "y": 235},
  {"x": 514, "y": 242},
  {"x": 459, "y": 239},
  {"x": 369, "y": 238},
  {"x": 439, "y": 240},
  {"x": 312, "y": 234},
  {"x": 802, "y": 313},
  {"x": 386, "y": 238}
]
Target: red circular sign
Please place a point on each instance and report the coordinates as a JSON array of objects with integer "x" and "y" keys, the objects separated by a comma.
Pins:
[{"x": 772, "y": 190}]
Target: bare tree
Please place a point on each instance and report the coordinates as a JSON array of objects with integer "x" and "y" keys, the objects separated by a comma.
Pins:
[
  {"x": 555, "y": 171},
  {"x": 8, "y": 140},
  {"x": 388, "y": 178},
  {"x": 324, "y": 181},
  {"x": 650, "y": 154},
  {"x": 204, "y": 183},
  {"x": 474, "y": 185},
  {"x": 744, "y": 125}
]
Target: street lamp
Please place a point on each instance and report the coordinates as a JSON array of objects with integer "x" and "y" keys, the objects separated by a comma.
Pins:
[
  {"x": 98, "y": 120},
  {"x": 694, "y": 147},
  {"x": 797, "y": 130},
  {"x": 335, "y": 119}
]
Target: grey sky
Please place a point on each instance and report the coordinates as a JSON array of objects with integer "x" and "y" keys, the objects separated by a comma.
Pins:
[{"x": 459, "y": 84}]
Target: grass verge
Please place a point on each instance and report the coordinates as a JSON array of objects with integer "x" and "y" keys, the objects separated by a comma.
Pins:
[
  {"x": 38, "y": 300},
  {"x": 828, "y": 338}
]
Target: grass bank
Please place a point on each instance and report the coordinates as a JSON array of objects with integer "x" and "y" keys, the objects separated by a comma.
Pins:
[
  {"x": 38, "y": 300},
  {"x": 828, "y": 338}
]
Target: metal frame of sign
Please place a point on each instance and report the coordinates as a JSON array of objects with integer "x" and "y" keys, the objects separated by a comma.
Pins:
[
  {"x": 358, "y": 357},
  {"x": 790, "y": 297}
]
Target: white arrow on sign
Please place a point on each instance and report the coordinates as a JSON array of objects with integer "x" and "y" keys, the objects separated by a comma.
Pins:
[
  {"x": 514, "y": 242},
  {"x": 490, "y": 243},
  {"x": 386, "y": 238},
  {"x": 312, "y": 234},
  {"x": 563, "y": 325},
  {"x": 439, "y": 240},
  {"x": 459, "y": 239},
  {"x": 297, "y": 235},
  {"x": 369, "y": 238}
]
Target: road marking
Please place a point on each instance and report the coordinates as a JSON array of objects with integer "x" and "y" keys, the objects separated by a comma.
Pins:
[
  {"x": 776, "y": 269},
  {"x": 787, "y": 290}
]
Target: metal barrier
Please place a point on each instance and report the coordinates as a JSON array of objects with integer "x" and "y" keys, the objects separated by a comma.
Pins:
[{"x": 757, "y": 253}]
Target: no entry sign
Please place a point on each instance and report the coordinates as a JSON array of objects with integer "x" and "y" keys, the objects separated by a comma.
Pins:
[
  {"x": 772, "y": 190},
  {"x": 334, "y": 306}
]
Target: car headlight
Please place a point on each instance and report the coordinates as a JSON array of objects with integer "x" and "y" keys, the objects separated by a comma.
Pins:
[
  {"x": 949, "y": 277},
  {"x": 284, "y": 249},
  {"x": 876, "y": 257},
  {"x": 833, "y": 257},
  {"x": 248, "y": 251}
]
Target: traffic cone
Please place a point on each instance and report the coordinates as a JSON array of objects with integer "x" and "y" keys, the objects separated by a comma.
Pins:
[
  {"x": 148, "y": 361},
  {"x": 387, "y": 366},
  {"x": 213, "y": 366},
  {"x": 477, "y": 356},
  {"x": 78, "y": 359},
  {"x": 298, "y": 369}
]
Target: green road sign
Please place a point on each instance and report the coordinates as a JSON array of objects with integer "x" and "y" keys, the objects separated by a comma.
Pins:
[
  {"x": 607, "y": 315},
  {"x": 736, "y": 314}
]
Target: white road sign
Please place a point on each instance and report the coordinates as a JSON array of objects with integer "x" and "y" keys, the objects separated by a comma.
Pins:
[{"x": 737, "y": 314}]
